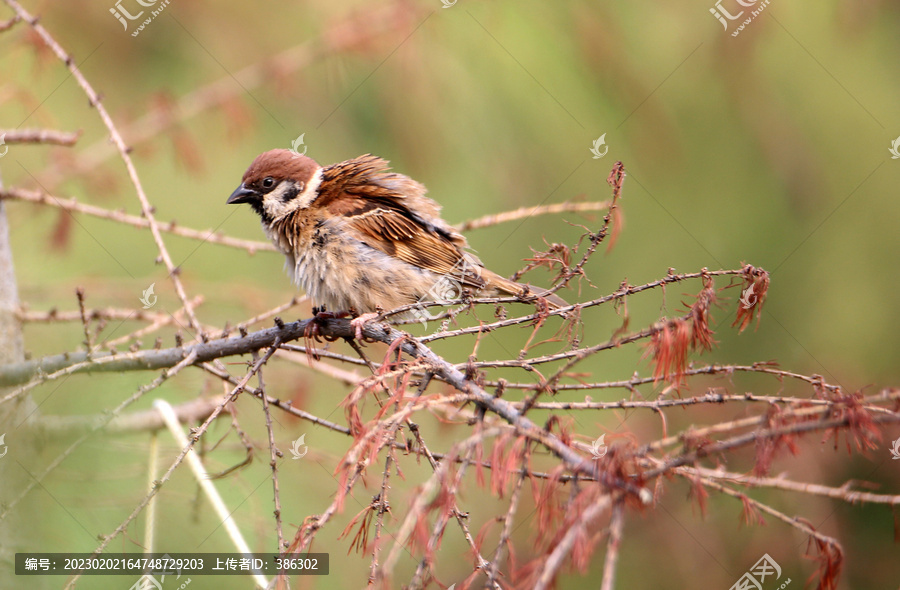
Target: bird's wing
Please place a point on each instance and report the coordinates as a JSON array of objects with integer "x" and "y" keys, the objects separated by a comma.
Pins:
[
  {"x": 400, "y": 234},
  {"x": 390, "y": 213}
]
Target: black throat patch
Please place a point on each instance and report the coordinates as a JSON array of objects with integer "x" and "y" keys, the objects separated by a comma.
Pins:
[
  {"x": 293, "y": 189},
  {"x": 258, "y": 207}
]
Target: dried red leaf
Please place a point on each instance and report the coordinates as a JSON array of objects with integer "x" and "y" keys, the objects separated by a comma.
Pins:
[
  {"x": 617, "y": 222},
  {"x": 62, "y": 231},
  {"x": 43, "y": 53},
  {"x": 557, "y": 256},
  {"x": 615, "y": 217},
  {"x": 549, "y": 509},
  {"x": 668, "y": 348},
  {"x": 701, "y": 334},
  {"x": 753, "y": 295},
  {"x": 860, "y": 428},
  {"x": 830, "y": 557},
  {"x": 749, "y": 513},
  {"x": 360, "y": 541},
  {"x": 500, "y": 475},
  {"x": 768, "y": 446},
  {"x": 586, "y": 534},
  {"x": 698, "y": 492},
  {"x": 479, "y": 458},
  {"x": 187, "y": 152}
]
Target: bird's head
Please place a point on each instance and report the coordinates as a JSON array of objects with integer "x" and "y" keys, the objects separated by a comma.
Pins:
[{"x": 278, "y": 182}]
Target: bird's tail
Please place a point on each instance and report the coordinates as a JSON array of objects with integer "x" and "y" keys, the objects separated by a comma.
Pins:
[
  {"x": 554, "y": 300},
  {"x": 508, "y": 287}
]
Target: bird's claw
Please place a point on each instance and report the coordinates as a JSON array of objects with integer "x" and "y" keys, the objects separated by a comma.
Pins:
[
  {"x": 358, "y": 322},
  {"x": 320, "y": 316}
]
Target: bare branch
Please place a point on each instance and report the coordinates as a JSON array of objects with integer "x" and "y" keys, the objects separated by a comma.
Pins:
[
  {"x": 616, "y": 523},
  {"x": 562, "y": 550},
  {"x": 143, "y": 421},
  {"x": 527, "y": 212},
  {"x": 171, "y": 227},
  {"x": 843, "y": 493},
  {"x": 8, "y": 24},
  {"x": 52, "y": 136},
  {"x": 186, "y": 362}
]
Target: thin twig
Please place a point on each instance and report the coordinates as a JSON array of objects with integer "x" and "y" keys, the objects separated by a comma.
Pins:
[
  {"x": 506, "y": 532},
  {"x": 616, "y": 523},
  {"x": 382, "y": 506},
  {"x": 274, "y": 454},
  {"x": 527, "y": 212},
  {"x": 152, "y": 466},
  {"x": 51, "y": 136},
  {"x": 88, "y": 339},
  {"x": 8, "y": 24},
  {"x": 843, "y": 493}
]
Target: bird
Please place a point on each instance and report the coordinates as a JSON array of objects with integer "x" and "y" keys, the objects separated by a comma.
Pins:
[{"x": 361, "y": 239}]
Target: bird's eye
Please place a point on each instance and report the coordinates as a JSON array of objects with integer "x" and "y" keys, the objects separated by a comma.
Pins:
[{"x": 268, "y": 182}]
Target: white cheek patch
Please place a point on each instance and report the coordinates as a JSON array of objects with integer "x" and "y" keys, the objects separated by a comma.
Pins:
[
  {"x": 309, "y": 194},
  {"x": 273, "y": 202}
]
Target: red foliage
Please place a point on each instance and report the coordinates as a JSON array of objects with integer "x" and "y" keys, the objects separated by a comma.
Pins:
[
  {"x": 831, "y": 559},
  {"x": 698, "y": 492},
  {"x": 62, "y": 231},
  {"x": 668, "y": 348},
  {"x": 615, "y": 179},
  {"x": 505, "y": 464},
  {"x": 860, "y": 426},
  {"x": 238, "y": 117},
  {"x": 557, "y": 256},
  {"x": 701, "y": 334},
  {"x": 753, "y": 295},
  {"x": 549, "y": 507},
  {"x": 749, "y": 513},
  {"x": 768, "y": 446},
  {"x": 360, "y": 540},
  {"x": 672, "y": 341}
]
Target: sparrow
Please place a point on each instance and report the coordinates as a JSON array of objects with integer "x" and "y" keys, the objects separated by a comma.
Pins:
[{"x": 360, "y": 239}]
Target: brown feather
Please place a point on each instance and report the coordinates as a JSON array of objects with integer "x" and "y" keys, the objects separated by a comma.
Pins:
[
  {"x": 279, "y": 164},
  {"x": 380, "y": 210}
]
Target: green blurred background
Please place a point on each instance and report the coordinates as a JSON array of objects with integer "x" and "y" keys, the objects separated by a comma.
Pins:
[{"x": 769, "y": 148}]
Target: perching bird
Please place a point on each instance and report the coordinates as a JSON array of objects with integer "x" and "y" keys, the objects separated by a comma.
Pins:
[{"x": 359, "y": 238}]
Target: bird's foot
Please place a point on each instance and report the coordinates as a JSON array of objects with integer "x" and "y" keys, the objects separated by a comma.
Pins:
[
  {"x": 358, "y": 322},
  {"x": 320, "y": 316}
]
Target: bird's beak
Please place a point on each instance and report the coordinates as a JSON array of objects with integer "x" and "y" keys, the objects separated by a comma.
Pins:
[{"x": 241, "y": 195}]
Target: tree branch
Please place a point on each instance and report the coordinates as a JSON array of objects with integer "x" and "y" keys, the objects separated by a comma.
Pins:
[{"x": 65, "y": 138}]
